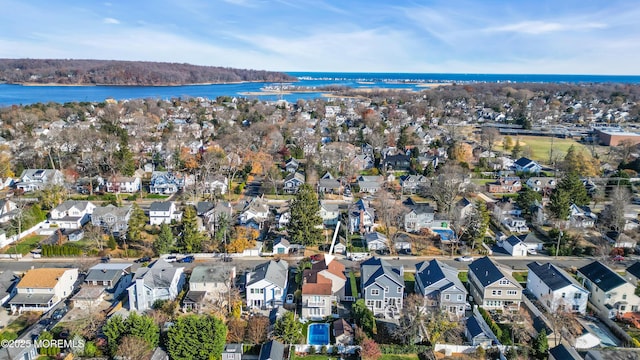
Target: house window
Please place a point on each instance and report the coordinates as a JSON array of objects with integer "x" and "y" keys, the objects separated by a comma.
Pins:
[
  {"x": 563, "y": 295},
  {"x": 370, "y": 303},
  {"x": 386, "y": 289},
  {"x": 634, "y": 308},
  {"x": 378, "y": 304},
  {"x": 577, "y": 296},
  {"x": 504, "y": 282},
  {"x": 512, "y": 292},
  {"x": 447, "y": 296},
  {"x": 575, "y": 308},
  {"x": 624, "y": 296},
  {"x": 459, "y": 297},
  {"x": 496, "y": 292},
  {"x": 399, "y": 290},
  {"x": 622, "y": 308},
  {"x": 375, "y": 292}
]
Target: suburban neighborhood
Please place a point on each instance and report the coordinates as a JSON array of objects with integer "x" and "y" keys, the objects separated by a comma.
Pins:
[{"x": 486, "y": 221}]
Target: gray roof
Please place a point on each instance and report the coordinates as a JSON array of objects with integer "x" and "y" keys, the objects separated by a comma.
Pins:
[
  {"x": 158, "y": 275},
  {"x": 160, "y": 206},
  {"x": 329, "y": 206},
  {"x": 65, "y": 206},
  {"x": 375, "y": 236},
  {"x": 31, "y": 299},
  {"x": 119, "y": 212},
  {"x": 217, "y": 273},
  {"x": 554, "y": 277},
  {"x": 233, "y": 348},
  {"x": 375, "y": 267},
  {"x": 274, "y": 271},
  {"x": 273, "y": 350},
  {"x": 603, "y": 277},
  {"x": 8, "y": 280},
  {"x": 434, "y": 271},
  {"x": 204, "y": 206},
  {"x": 103, "y": 275},
  {"x": 532, "y": 238},
  {"x": 194, "y": 297}
]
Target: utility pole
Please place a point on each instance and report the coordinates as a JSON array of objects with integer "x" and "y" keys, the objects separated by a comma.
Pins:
[{"x": 558, "y": 245}]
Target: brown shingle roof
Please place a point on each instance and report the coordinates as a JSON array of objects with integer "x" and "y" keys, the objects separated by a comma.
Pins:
[
  {"x": 44, "y": 278},
  {"x": 316, "y": 289}
]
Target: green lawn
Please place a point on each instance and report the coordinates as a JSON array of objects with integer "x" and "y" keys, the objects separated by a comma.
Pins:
[
  {"x": 25, "y": 245},
  {"x": 540, "y": 146},
  {"x": 410, "y": 282},
  {"x": 156, "y": 196},
  {"x": 462, "y": 275},
  {"x": 399, "y": 357},
  {"x": 520, "y": 276},
  {"x": 354, "y": 284}
]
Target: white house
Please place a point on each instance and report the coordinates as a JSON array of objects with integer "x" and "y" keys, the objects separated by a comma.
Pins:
[
  {"x": 376, "y": 241},
  {"x": 581, "y": 217},
  {"x": 41, "y": 289},
  {"x": 216, "y": 185},
  {"x": 123, "y": 184},
  {"x": 515, "y": 224},
  {"x": 527, "y": 165},
  {"x": 163, "y": 212},
  {"x": 71, "y": 214},
  {"x": 612, "y": 294},
  {"x": 159, "y": 281},
  {"x": 293, "y": 182},
  {"x": 514, "y": 246},
  {"x": 266, "y": 285},
  {"x": 329, "y": 212},
  {"x": 37, "y": 179},
  {"x": 281, "y": 246},
  {"x": 209, "y": 284},
  {"x": 555, "y": 289}
]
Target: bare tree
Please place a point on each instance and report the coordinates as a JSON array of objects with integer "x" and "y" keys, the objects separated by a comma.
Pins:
[
  {"x": 488, "y": 136},
  {"x": 448, "y": 184},
  {"x": 391, "y": 213},
  {"x": 612, "y": 217},
  {"x": 133, "y": 348},
  {"x": 257, "y": 329}
]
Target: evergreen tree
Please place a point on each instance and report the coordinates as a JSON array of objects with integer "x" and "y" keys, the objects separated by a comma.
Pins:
[
  {"x": 164, "y": 241},
  {"x": 196, "y": 337},
  {"x": 480, "y": 223},
  {"x": 137, "y": 221},
  {"x": 288, "y": 329},
  {"x": 305, "y": 220},
  {"x": 113, "y": 330},
  {"x": 191, "y": 239},
  {"x": 124, "y": 159},
  {"x": 527, "y": 197},
  {"x": 559, "y": 204},
  {"x": 574, "y": 188},
  {"x": 364, "y": 317},
  {"x": 517, "y": 150},
  {"x": 541, "y": 345},
  {"x": 429, "y": 170},
  {"x": 111, "y": 243}
]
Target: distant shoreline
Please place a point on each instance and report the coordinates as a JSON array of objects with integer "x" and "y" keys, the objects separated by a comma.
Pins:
[{"x": 136, "y": 85}]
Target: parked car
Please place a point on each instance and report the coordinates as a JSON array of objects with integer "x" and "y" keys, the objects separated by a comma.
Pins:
[
  {"x": 143, "y": 259},
  {"x": 465, "y": 258},
  {"x": 59, "y": 313},
  {"x": 187, "y": 259},
  {"x": 105, "y": 259},
  {"x": 289, "y": 299},
  {"x": 227, "y": 259},
  {"x": 532, "y": 252},
  {"x": 618, "y": 258},
  {"x": 171, "y": 258}
]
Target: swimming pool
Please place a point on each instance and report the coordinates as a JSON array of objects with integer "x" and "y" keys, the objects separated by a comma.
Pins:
[
  {"x": 604, "y": 338},
  {"x": 318, "y": 334}
]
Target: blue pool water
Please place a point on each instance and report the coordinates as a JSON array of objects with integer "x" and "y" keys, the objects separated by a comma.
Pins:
[{"x": 318, "y": 334}]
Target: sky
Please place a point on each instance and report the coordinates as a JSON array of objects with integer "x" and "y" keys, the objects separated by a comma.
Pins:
[{"x": 439, "y": 36}]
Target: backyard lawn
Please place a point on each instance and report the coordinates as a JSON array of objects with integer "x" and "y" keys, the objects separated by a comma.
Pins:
[
  {"x": 520, "y": 276},
  {"x": 409, "y": 282},
  {"x": 462, "y": 275},
  {"x": 24, "y": 246}
]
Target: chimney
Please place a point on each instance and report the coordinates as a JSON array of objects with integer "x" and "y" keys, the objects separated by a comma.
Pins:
[{"x": 486, "y": 273}]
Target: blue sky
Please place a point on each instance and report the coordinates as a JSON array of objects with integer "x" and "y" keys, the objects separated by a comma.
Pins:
[{"x": 447, "y": 36}]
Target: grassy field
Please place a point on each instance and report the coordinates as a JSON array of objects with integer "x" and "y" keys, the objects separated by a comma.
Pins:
[
  {"x": 520, "y": 276},
  {"x": 540, "y": 146},
  {"x": 25, "y": 245},
  {"x": 462, "y": 275}
]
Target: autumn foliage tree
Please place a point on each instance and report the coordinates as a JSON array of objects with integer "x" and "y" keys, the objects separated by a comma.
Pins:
[
  {"x": 245, "y": 239},
  {"x": 370, "y": 350}
]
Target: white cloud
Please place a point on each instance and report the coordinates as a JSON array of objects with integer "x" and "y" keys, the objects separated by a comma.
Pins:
[
  {"x": 111, "y": 21},
  {"x": 543, "y": 27}
]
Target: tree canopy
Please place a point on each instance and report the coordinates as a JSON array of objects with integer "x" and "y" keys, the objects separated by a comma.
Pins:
[
  {"x": 196, "y": 337},
  {"x": 303, "y": 228},
  {"x": 288, "y": 329}
]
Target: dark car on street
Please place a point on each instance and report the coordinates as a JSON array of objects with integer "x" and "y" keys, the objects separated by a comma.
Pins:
[{"x": 143, "y": 259}]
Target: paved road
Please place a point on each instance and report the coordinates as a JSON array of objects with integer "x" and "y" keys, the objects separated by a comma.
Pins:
[{"x": 250, "y": 262}]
